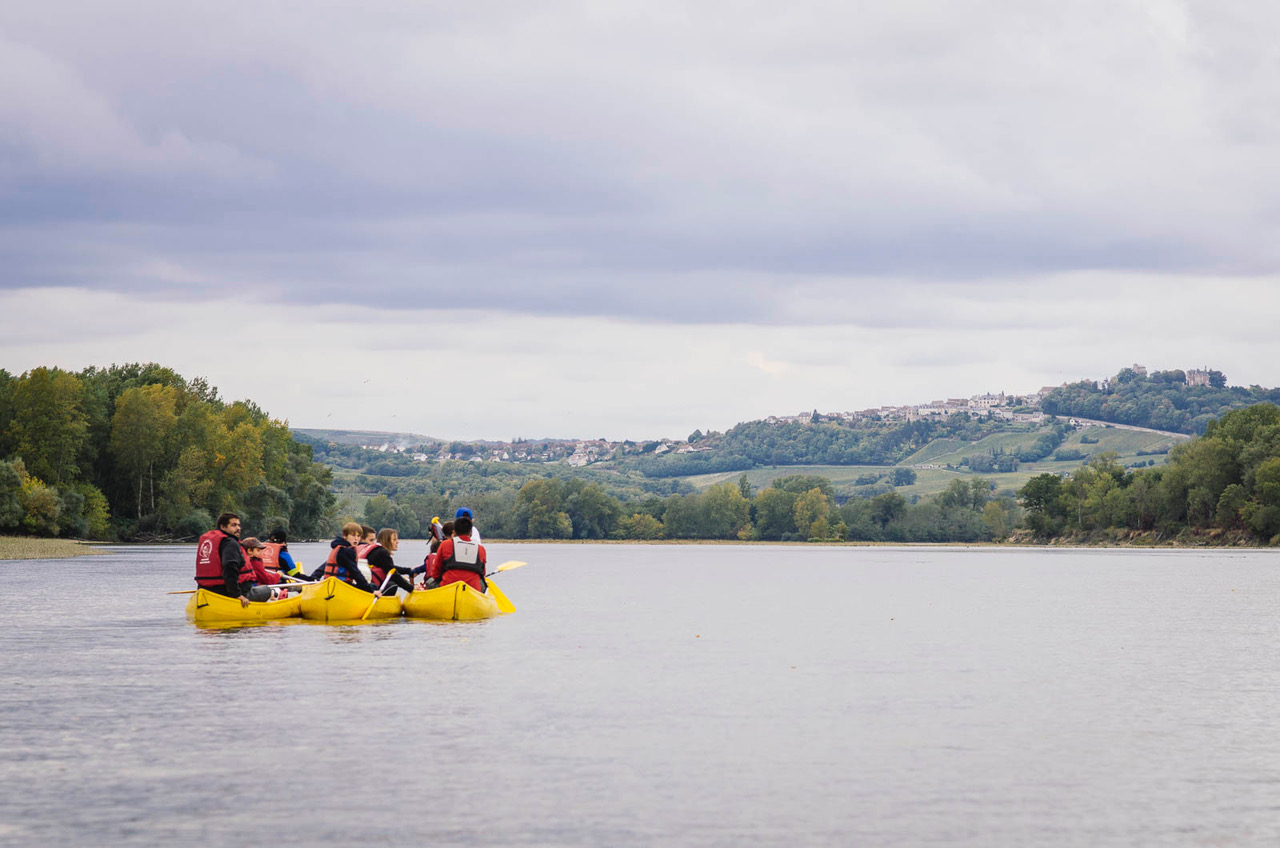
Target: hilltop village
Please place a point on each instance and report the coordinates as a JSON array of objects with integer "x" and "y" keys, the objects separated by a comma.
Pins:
[
  {"x": 580, "y": 452},
  {"x": 1007, "y": 406}
]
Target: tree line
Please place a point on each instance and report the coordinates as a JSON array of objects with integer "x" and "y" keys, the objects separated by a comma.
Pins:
[
  {"x": 137, "y": 452},
  {"x": 795, "y": 507},
  {"x": 1226, "y": 482},
  {"x": 1161, "y": 400}
]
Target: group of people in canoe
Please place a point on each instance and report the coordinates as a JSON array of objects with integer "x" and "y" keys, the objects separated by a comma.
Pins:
[{"x": 252, "y": 570}]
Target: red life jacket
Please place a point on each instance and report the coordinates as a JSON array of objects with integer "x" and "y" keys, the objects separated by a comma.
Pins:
[
  {"x": 378, "y": 576},
  {"x": 333, "y": 569},
  {"x": 271, "y": 556},
  {"x": 472, "y": 561},
  {"x": 209, "y": 562},
  {"x": 261, "y": 574}
]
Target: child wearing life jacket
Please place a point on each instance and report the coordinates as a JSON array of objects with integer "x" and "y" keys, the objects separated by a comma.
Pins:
[
  {"x": 342, "y": 558},
  {"x": 381, "y": 561},
  {"x": 276, "y": 556},
  {"x": 262, "y": 576},
  {"x": 368, "y": 540}
]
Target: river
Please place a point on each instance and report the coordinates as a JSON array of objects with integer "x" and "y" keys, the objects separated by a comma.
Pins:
[{"x": 695, "y": 695}]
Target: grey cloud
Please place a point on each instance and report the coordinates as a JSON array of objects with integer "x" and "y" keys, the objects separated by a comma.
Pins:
[{"x": 664, "y": 162}]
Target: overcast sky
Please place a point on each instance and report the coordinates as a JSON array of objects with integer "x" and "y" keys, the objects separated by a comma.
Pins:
[{"x": 630, "y": 220}]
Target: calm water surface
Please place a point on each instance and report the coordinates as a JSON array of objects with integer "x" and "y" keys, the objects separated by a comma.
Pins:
[{"x": 699, "y": 695}]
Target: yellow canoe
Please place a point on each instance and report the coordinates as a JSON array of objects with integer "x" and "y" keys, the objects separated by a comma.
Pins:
[
  {"x": 457, "y": 602},
  {"x": 207, "y": 607},
  {"x": 333, "y": 600}
]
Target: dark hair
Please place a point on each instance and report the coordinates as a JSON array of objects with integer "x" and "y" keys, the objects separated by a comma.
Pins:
[
  {"x": 225, "y": 519},
  {"x": 447, "y": 529},
  {"x": 277, "y": 536},
  {"x": 435, "y": 545},
  {"x": 462, "y": 526},
  {"x": 366, "y": 530}
]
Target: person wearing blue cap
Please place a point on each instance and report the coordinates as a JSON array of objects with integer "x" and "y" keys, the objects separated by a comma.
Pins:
[{"x": 463, "y": 512}]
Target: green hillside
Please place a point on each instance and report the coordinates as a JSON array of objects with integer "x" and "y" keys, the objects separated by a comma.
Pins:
[{"x": 1126, "y": 444}]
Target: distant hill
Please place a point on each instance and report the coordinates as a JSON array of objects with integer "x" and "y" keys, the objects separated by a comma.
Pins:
[{"x": 360, "y": 438}]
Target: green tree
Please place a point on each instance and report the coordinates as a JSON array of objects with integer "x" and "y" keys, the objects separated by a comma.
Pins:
[
  {"x": 540, "y": 510},
  {"x": 140, "y": 429},
  {"x": 1231, "y": 507},
  {"x": 49, "y": 429},
  {"x": 376, "y": 510},
  {"x": 811, "y": 507},
  {"x": 728, "y": 513},
  {"x": 682, "y": 517},
  {"x": 11, "y": 509},
  {"x": 41, "y": 506},
  {"x": 640, "y": 526},
  {"x": 1041, "y": 497},
  {"x": 97, "y": 512},
  {"x": 800, "y": 483},
  {"x": 592, "y": 512},
  {"x": 999, "y": 517},
  {"x": 775, "y": 514},
  {"x": 888, "y": 508}
]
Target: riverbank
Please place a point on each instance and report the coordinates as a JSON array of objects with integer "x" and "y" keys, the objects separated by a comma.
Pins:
[
  {"x": 28, "y": 547},
  {"x": 1117, "y": 538}
]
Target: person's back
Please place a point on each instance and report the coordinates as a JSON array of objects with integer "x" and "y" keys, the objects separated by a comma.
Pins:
[
  {"x": 464, "y": 512},
  {"x": 460, "y": 560}
]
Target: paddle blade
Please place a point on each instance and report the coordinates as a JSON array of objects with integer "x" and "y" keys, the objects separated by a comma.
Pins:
[
  {"x": 381, "y": 589},
  {"x": 509, "y": 565},
  {"x": 504, "y": 606}
]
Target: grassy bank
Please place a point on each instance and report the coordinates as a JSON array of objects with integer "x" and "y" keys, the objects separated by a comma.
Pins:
[{"x": 26, "y": 547}]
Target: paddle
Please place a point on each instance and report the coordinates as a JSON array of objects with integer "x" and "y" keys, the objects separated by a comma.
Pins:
[
  {"x": 296, "y": 582},
  {"x": 504, "y": 606},
  {"x": 509, "y": 565},
  {"x": 374, "y": 603}
]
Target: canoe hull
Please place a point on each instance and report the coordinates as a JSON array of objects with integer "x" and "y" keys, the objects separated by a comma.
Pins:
[
  {"x": 333, "y": 600},
  {"x": 455, "y": 602},
  {"x": 207, "y": 607}
]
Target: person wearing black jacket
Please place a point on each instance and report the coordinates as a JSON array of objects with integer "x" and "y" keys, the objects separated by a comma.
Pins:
[
  {"x": 381, "y": 562},
  {"x": 342, "y": 562},
  {"x": 236, "y": 575}
]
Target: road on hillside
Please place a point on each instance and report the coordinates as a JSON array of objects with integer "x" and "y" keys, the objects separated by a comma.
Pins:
[{"x": 1080, "y": 420}]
